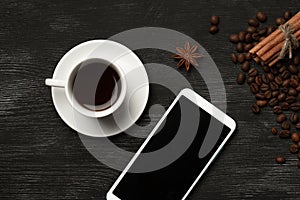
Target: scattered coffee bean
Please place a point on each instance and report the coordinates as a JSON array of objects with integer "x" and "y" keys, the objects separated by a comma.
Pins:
[
  {"x": 248, "y": 38},
  {"x": 294, "y": 148},
  {"x": 273, "y": 86},
  {"x": 279, "y": 21},
  {"x": 261, "y": 16},
  {"x": 264, "y": 87},
  {"x": 245, "y": 66},
  {"x": 275, "y": 93},
  {"x": 286, "y": 83},
  {"x": 248, "y": 56},
  {"x": 250, "y": 80},
  {"x": 277, "y": 110},
  {"x": 285, "y": 106},
  {"x": 253, "y": 72},
  {"x": 270, "y": 76},
  {"x": 242, "y": 36},
  {"x": 290, "y": 99},
  {"x": 258, "y": 80},
  {"x": 285, "y": 125},
  {"x": 255, "y": 36},
  {"x": 293, "y": 69},
  {"x": 251, "y": 29},
  {"x": 254, "y": 88},
  {"x": 240, "y": 58},
  {"x": 273, "y": 102},
  {"x": 268, "y": 94},
  {"x": 234, "y": 58},
  {"x": 295, "y": 137},
  {"x": 213, "y": 29},
  {"x": 234, "y": 38},
  {"x": 253, "y": 22},
  {"x": 260, "y": 96},
  {"x": 295, "y": 106},
  {"x": 294, "y": 118},
  {"x": 274, "y": 131},
  {"x": 239, "y": 47},
  {"x": 287, "y": 15},
  {"x": 214, "y": 20},
  {"x": 248, "y": 47},
  {"x": 284, "y": 134},
  {"x": 241, "y": 77},
  {"x": 262, "y": 31},
  {"x": 280, "y": 160},
  {"x": 281, "y": 97},
  {"x": 281, "y": 118},
  {"x": 255, "y": 109},
  {"x": 270, "y": 29},
  {"x": 297, "y": 126},
  {"x": 285, "y": 74},
  {"x": 261, "y": 103}
]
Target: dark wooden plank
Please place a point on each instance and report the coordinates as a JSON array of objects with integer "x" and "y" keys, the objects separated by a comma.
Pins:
[{"x": 42, "y": 158}]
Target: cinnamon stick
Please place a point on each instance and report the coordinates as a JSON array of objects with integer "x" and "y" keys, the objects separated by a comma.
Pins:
[
  {"x": 276, "y": 48},
  {"x": 274, "y": 35}
]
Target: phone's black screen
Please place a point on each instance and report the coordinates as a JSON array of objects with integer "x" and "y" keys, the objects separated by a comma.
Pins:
[{"x": 183, "y": 137}]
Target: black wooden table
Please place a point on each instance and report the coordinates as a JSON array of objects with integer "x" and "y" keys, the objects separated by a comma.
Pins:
[{"x": 42, "y": 158}]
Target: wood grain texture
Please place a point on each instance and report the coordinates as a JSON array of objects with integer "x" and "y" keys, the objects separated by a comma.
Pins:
[{"x": 42, "y": 158}]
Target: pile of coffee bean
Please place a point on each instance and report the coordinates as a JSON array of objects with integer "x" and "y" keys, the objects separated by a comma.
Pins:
[
  {"x": 214, "y": 23},
  {"x": 276, "y": 87}
]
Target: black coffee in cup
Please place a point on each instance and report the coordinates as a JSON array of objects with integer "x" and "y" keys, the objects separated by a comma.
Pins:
[{"x": 97, "y": 84}]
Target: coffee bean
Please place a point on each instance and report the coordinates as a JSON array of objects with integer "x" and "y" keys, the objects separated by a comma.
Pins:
[
  {"x": 290, "y": 99},
  {"x": 261, "y": 16},
  {"x": 213, "y": 29},
  {"x": 274, "y": 131},
  {"x": 265, "y": 78},
  {"x": 251, "y": 29},
  {"x": 298, "y": 88},
  {"x": 261, "y": 103},
  {"x": 294, "y": 83},
  {"x": 286, "y": 83},
  {"x": 273, "y": 86},
  {"x": 274, "y": 71},
  {"x": 240, "y": 58},
  {"x": 250, "y": 80},
  {"x": 234, "y": 38},
  {"x": 248, "y": 38},
  {"x": 248, "y": 47},
  {"x": 285, "y": 125},
  {"x": 281, "y": 97},
  {"x": 239, "y": 47},
  {"x": 241, "y": 77},
  {"x": 277, "y": 110},
  {"x": 295, "y": 137},
  {"x": 264, "y": 87},
  {"x": 293, "y": 69},
  {"x": 258, "y": 80},
  {"x": 253, "y": 22},
  {"x": 287, "y": 15},
  {"x": 279, "y": 21},
  {"x": 254, "y": 88},
  {"x": 214, "y": 20},
  {"x": 295, "y": 106},
  {"x": 297, "y": 126},
  {"x": 242, "y": 36},
  {"x": 262, "y": 31},
  {"x": 281, "y": 69},
  {"x": 245, "y": 66},
  {"x": 294, "y": 118},
  {"x": 278, "y": 80},
  {"x": 273, "y": 102},
  {"x": 280, "y": 159},
  {"x": 253, "y": 72},
  {"x": 281, "y": 118},
  {"x": 292, "y": 92},
  {"x": 234, "y": 58},
  {"x": 285, "y": 106},
  {"x": 265, "y": 68},
  {"x": 270, "y": 29},
  {"x": 296, "y": 60},
  {"x": 260, "y": 96},
  {"x": 294, "y": 148},
  {"x": 268, "y": 94},
  {"x": 255, "y": 109},
  {"x": 270, "y": 76},
  {"x": 284, "y": 134},
  {"x": 248, "y": 56},
  {"x": 275, "y": 93},
  {"x": 285, "y": 74},
  {"x": 255, "y": 36}
]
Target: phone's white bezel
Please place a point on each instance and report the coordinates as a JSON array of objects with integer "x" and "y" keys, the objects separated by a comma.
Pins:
[{"x": 202, "y": 103}]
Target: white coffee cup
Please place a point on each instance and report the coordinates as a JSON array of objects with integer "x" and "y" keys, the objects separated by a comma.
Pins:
[{"x": 67, "y": 85}]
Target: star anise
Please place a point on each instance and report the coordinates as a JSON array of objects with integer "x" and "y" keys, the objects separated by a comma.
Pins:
[{"x": 187, "y": 56}]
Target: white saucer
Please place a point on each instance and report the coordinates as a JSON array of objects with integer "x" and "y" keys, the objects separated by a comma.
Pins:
[{"x": 136, "y": 94}]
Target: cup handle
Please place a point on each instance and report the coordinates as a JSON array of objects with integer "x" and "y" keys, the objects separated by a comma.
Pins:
[{"x": 55, "y": 83}]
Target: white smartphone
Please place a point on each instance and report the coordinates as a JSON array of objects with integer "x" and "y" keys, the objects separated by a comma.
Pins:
[{"x": 176, "y": 153}]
